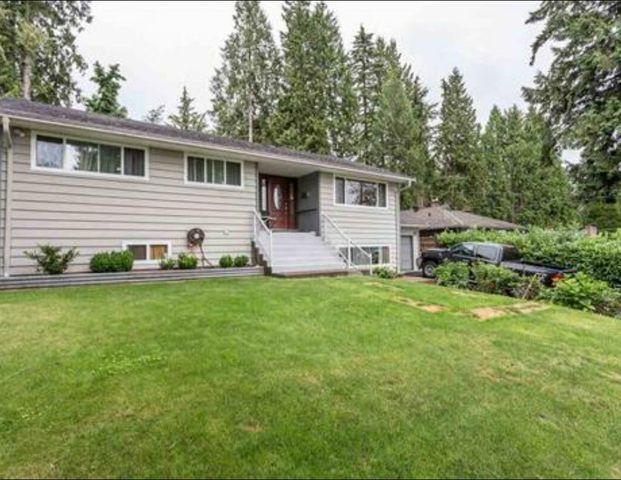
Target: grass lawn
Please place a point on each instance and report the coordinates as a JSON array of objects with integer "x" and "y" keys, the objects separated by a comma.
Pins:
[{"x": 342, "y": 377}]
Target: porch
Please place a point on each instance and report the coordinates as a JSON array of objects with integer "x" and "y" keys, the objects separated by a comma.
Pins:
[{"x": 291, "y": 234}]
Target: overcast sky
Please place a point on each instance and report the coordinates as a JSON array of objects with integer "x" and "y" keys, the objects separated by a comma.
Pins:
[{"x": 162, "y": 46}]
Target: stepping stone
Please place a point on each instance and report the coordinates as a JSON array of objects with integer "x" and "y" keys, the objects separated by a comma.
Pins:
[
  {"x": 430, "y": 308},
  {"x": 485, "y": 313},
  {"x": 529, "y": 307}
]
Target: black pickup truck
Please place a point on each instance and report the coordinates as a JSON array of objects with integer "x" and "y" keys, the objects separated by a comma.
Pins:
[{"x": 495, "y": 253}]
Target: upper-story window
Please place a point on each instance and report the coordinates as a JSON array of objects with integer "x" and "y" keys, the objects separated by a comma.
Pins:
[
  {"x": 358, "y": 192},
  {"x": 212, "y": 171},
  {"x": 70, "y": 155}
]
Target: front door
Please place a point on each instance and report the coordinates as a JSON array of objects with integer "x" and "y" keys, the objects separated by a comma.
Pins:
[{"x": 279, "y": 206}]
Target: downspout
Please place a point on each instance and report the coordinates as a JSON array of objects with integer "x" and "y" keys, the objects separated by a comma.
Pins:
[{"x": 8, "y": 148}]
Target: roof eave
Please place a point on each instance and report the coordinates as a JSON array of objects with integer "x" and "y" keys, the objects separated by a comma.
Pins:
[{"x": 193, "y": 144}]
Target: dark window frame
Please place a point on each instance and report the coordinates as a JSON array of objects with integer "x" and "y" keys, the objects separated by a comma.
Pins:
[
  {"x": 65, "y": 168},
  {"x": 209, "y": 178},
  {"x": 341, "y": 191}
]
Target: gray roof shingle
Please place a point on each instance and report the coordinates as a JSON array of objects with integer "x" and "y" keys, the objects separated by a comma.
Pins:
[
  {"x": 440, "y": 217},
  {"x": 69, "y": 116}
]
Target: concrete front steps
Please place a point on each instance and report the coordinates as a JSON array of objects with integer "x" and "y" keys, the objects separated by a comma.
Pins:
[{"x": 303, "y": 254}]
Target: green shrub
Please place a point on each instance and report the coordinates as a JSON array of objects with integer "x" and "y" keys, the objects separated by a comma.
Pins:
[
  {"x": 583, "y": 292},
  {"x": 241, "y": 261},
  {"x": 453, "y": 274},
  {"x": 598, "y": 256},
  {"x": 122, "y": 261},
  {"x": 105, "y": 262},
  {"x": 168, "y": 263},
  {"x": 50, "y": 260},
  {"x": 226, "y": 261},
  {"x": 384, "y": 272},
  {"x": 492, "y": 279},
  {"x": 605, "y": 216},
  {"x": 187, "y": 261},
  {"x": 528, "y": 288}
]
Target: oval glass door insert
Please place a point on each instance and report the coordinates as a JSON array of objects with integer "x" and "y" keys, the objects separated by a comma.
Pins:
[{"x": 277, "y": 197}]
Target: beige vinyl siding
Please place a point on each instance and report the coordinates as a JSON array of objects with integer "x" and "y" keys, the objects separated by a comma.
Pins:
[
  {"x": 96, "y": 213},
  {"x": 3, "y": 172},
  {"x": 366, "y": 226}
]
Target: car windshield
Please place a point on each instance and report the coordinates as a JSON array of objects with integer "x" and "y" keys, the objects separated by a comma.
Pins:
[
  {"x": 465, "y": 249},
  {"x": 510, "y": 254}
]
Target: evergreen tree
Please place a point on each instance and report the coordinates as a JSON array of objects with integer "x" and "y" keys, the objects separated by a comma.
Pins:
[
  {"x": 550, "y": 202},
  {"x": 38, "y": 51},
  {"x": 372, "y": 62},
  {"x": 341, "y": 97},
  {"x": 498, "y": 202},
  {"x": 301, "y": 119},
  {"x": 387, "y": 59},
  {"x": 246, "y": 86},
  {"x": 457, "y": 147},
  {"x": 363, "y": 63},
  {"x": 187, "y": 118},
  {"x": 394, "y": 133},
  {"x": 580, "y": 94},
  {"x": 106, "y": 99},
  {"x": 424, "y": 114},
  {"x": 527, "y": 182},
  {"x": 316, "y": 110},
  {"x": 155, "y": 115}
]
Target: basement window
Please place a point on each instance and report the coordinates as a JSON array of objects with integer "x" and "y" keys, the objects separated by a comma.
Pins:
[
  {"x": 148, "y": 251},
  {"x": 380, "y": 255}
]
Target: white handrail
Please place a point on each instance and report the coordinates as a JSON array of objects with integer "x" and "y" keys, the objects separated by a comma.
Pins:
[
  {"x": 256, "y": 238},
  {"x": 350, "y": 242}
]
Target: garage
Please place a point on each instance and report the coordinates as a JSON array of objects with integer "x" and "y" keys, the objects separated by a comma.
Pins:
[{"x": 420, "y": 227}]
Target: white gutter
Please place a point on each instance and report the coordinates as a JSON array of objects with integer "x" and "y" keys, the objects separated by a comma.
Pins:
[
  {"x": 185, "y": 144},
  {"x": 8, "y": 147}
]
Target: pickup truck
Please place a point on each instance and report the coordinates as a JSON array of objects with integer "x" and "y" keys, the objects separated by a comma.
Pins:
[{"x": 497, "y": 254}]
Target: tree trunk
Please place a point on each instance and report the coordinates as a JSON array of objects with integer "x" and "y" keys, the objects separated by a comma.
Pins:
[
  {"x": 27, "y": 77},
  {"x": 250, "y": 121}
]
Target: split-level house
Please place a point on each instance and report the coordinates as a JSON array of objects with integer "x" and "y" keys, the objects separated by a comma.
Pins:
[{"x": 70, "y": 178}]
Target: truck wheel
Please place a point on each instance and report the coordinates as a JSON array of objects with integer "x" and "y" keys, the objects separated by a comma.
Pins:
[{"x": 429, "y": 269}]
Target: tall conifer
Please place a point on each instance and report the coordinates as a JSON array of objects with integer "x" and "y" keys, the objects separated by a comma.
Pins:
[{"x": 246, "y": 85}]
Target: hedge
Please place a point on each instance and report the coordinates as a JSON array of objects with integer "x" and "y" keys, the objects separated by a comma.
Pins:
[{"x": 598, "y": 256}]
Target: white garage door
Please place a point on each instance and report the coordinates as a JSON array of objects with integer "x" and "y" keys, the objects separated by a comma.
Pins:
[{"x": 407, "y": 264}]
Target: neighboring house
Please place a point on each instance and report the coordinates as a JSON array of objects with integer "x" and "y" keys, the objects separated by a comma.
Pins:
[
  {"x": 77, "y": 179},
  {"x": 420, "y": 227}
]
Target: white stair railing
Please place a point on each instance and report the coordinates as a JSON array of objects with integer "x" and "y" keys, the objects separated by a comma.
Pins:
[
  {"x": 327, "y": 222},
  {"x": 259, "y": 226}
]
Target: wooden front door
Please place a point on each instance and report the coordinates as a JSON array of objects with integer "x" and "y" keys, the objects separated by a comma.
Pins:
[{"x": 279, "y": 201}]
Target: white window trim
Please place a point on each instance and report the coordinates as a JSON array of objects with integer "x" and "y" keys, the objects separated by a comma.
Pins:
[
  {"x": 82, "y": 173},
  {"x": 382, "y": 245},
  {"x": 148, "y": 244},
  {"x": 355, "y": 179},
  {"x": 223, "y": 186}
]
